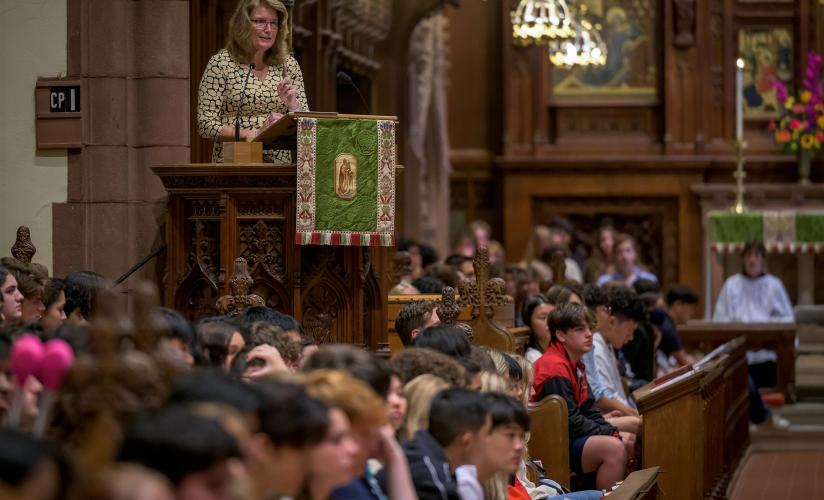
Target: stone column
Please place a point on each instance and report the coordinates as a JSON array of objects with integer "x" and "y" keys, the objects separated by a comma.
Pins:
[{"x": 133, "y": 56}]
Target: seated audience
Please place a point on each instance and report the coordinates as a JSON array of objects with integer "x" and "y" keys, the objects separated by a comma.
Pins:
[
  {"x": 32, "y": 469},
  {"x": 458, "y": 426},
  {"x": 627, "y": 263},
  {"x": 535, "y": 314},
  {"x": 270, "y": 352},
  {"x": 12, "y": 305},
  {"x": 292, "y": 424},
  {"x": 55, "y": 301},
  {"x": 194, "y": 452},
  {"x": 419, "y": 392},
  {"x": 413, "y": 361},
  {"x": 82, "y": 290},
  {"x": 594, "y": 445},
  {"x": 217, "y": 336},
  {"x": 600, "y": 261},
  {"x": 396, "y": 403},
  {"x": 355, "y": 412},
  {"x": 31, "y": 284},
  {"x": 428, "y": 285},
  {"x": 252, "y": 315},
  {"x": 502, "y": 452},
  {"x": 179, "y": 336},
  {"x": 624, "y": 310},
  {"x": 415, "y": 317},
  {"x": 605, "y": 394},
  {"x": 462, "y": 265},
  {"x": 380, "y": 443},
  {"x": 680, "y": 303},
  {"x": 308, "y": 346},
  {"x": 446, "y": 339}
]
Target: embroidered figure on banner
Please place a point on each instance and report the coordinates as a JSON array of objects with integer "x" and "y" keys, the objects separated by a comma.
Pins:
[{"x": 346, "y": 176}]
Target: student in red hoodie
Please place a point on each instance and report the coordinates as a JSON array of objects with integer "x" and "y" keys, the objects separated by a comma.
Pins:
[{"x": 594, "y": 445}]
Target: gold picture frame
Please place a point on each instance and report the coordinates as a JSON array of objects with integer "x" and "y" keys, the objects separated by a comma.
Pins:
[
  {"x": 629, "y": 30},
  {"x": 768, "y": 55}
]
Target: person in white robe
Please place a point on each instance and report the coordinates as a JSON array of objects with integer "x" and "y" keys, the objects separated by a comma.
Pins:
[{"x": 753, "y": 296}]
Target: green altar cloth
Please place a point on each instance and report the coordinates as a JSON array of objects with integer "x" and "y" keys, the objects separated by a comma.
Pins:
[{"x": 781, "y": 231}]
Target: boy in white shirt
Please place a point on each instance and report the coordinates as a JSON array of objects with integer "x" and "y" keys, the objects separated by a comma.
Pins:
[{"x": 615, "y": 328}]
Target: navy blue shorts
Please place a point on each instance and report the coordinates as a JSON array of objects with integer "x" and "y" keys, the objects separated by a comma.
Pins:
[{"x": 576, "y": 451}]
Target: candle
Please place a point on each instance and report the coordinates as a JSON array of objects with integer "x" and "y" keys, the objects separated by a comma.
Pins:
[{"x": 739, "y": 103}]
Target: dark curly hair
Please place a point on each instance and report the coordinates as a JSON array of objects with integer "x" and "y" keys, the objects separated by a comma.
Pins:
[
  {"x": 625, "y": 303},
  {"x": 414, "y": 361}
]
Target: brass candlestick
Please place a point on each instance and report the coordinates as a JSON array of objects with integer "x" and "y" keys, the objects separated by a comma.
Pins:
[{"x": 740, "y": 175}]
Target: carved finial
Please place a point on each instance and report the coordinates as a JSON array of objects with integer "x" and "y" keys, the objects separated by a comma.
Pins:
[
  {"x": 23, "y": 249},
  {"x": 449, "y": 309},
  {"x": 239, "y": 297},
  {"x": 481, "y": 264},
  {"x": 558, "y": 266},
  {"x": 483, "y": 294}
]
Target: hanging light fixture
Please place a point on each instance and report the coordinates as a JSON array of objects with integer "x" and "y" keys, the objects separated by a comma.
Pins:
[
  {"x": 539, "y": 21},
  {"x": 584, "y": 48}
]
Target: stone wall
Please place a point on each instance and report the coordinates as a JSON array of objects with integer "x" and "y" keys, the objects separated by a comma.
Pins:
[
  {"x": 32, "y": 45},
  {"x": 134, "y": 59}
]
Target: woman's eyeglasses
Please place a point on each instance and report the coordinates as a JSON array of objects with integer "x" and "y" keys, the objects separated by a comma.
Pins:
[{"x": 261, "y": 24}]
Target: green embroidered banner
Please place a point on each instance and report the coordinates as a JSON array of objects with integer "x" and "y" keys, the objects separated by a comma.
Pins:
[
  {"x": 782, "y": 231},
  {"x": 346, "y": 182}
]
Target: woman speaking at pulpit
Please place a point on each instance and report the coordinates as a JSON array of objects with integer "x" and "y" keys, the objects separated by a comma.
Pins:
[{"x": 256, "y": 65}]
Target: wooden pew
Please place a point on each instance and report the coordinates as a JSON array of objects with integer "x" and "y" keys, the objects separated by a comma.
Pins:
[
  {"x": 549, "y": 438},
  {"x": 683, "y": 428},
  {"x": 640, "y": 485},
  {"x": 549, "y": 444},
  {"x": 779, "y": 337},
  {"x": 736, "y": 403}
]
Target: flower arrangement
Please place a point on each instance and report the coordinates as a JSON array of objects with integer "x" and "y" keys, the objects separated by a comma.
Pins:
[{"x": 801, "y": 125}]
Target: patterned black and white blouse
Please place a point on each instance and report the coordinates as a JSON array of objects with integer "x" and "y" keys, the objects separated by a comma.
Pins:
[{"x": 219, "y": 96}]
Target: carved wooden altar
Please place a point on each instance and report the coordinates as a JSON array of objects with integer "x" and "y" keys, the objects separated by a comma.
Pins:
[{"x": 217, "y": 213}]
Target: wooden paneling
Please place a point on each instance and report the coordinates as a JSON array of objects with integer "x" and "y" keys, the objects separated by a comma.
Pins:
[
  {"x": 218, "y": 213},
  {"x": 565, "y": 187}
]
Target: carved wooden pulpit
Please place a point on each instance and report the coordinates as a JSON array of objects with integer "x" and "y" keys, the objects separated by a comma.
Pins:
[{"x": 219, "y": 212}]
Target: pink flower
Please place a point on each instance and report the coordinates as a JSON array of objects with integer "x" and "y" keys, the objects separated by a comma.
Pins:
[{"x": 780, "y": 90}]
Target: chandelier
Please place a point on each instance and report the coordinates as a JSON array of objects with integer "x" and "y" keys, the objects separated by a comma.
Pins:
[
  {"x": 537, "y": 21},
  {"x": 584, "y": 48}
]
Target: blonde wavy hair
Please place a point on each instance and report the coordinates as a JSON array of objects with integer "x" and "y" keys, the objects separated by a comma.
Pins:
[
  {"x": 419, "y": 393},
  {"x": 353, "y": 396},
  {"x": 241, "y": 29}
]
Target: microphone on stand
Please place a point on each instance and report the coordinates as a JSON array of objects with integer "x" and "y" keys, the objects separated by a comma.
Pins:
[
  {"x": 345, "y": 79},
  {"x": 240, "y": 105}
]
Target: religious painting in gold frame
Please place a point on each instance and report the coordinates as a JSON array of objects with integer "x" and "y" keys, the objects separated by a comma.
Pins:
[
  {"x": 768, "y": 56},
  {"x": 346, "y": 176},
  {"x": 630, "y": 33}
]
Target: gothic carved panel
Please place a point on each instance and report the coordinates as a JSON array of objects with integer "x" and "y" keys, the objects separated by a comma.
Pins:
[
  {"x": 196, "y": 295},
  {"x": 653, "y": 222},
  {"x": 261, "y": 244},
  {"x": 321, "y": 308},
  {"x": 224, "y": 181},
  {"x": 600, "y": 123},
  {"x": 271, "y": 207},
  {"x": 316, "y": 260},
  {"x": 202, "y": 238}
]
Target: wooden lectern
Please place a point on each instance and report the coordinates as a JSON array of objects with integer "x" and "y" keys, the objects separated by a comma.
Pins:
[{"x": 219, "y": 212}]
